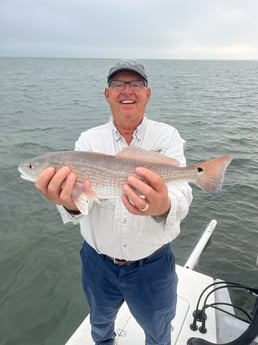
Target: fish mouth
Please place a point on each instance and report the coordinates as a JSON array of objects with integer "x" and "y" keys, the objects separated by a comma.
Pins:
[
  {"x": 27, "y": 178},
  {"x": 24, "y": 176}
]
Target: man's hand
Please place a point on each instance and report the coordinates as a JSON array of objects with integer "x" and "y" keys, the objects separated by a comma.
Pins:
[
  {"x": 57, "y": 186},
  {"x": 148, "y": 196}
]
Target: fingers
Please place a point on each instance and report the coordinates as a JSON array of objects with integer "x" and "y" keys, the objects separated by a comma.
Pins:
[
  {"x": 43, "y": 180},
  {"x": 57, "y": 186},
  {"x": 132, "y": 200},
  {"x": 146, "y": 196},
  {"x": 66, "y": 191},
  {"x": 153, "y": 179}
]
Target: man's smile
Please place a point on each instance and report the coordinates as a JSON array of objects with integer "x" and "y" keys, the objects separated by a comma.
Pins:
[{"x": 127, "y": 101}]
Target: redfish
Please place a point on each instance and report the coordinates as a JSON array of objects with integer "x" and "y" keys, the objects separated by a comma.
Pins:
[{"x": 108, "y": 173}]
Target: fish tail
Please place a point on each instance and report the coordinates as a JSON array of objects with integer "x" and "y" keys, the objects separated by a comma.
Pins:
[{"x": 210, "y": 174}]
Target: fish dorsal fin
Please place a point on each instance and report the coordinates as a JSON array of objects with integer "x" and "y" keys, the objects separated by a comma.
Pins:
[{"x": 137, "y": 153}]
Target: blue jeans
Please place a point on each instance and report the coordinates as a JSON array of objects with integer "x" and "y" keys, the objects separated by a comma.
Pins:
[{"x": 148, "y": 287}]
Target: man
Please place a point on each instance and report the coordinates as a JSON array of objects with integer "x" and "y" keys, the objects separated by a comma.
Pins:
[{"x": 126, "y": 255}]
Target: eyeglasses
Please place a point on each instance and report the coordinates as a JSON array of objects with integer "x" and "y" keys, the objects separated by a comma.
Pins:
[{"x": 135, "y": 85}]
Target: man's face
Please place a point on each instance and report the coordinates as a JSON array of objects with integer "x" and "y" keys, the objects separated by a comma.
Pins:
[{"x": 127, "y": 103}]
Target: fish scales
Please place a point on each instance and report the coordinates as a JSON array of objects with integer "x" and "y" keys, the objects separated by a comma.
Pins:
[{"x": 108, "y": 173}]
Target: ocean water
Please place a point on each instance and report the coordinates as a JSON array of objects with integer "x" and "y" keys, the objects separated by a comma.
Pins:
[{"x": 44, "y": 105}]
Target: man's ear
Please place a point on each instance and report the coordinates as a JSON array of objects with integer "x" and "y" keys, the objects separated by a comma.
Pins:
[
  {"x": 148, "y": 93},
  {"x": 106, "y": 93}
]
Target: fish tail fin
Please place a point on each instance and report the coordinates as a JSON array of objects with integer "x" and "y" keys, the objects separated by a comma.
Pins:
[{"x": 210, "y": 174}]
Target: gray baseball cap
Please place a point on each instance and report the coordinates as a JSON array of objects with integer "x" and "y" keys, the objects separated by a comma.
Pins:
[{"x": 127, "y": 65}]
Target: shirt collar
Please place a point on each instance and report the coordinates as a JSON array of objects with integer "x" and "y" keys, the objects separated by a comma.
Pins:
[{"x": 138, "y": 133}]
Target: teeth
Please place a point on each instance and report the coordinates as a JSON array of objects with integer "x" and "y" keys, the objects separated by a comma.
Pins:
[{"x": 127, "y": 102}]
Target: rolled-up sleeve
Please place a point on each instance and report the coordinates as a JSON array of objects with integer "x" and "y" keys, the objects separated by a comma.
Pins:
[{"x": 180, "y": 193}]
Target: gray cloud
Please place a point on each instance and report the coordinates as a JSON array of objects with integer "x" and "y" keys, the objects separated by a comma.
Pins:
[{"x": 139, "y": 29}]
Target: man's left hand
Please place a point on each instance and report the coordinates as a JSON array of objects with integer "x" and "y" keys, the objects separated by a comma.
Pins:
[{"x": 147, "y": 196}]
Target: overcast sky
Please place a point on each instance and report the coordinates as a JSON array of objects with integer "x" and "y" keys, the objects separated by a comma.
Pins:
[{"x": 166, "y": 29}]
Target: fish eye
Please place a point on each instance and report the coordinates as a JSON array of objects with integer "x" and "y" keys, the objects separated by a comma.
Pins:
[
  {"x": 199, "y": 170},
  {"x": 31, "y": 166}
]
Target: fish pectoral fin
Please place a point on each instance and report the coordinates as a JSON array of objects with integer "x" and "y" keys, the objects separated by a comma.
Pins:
[{"x": 81, "y": 197}]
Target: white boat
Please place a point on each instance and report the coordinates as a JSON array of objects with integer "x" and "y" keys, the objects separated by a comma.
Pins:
[{"x": 204, "y": 315}]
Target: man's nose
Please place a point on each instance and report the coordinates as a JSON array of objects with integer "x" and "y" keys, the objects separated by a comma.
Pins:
[{"x": 127, "y": 88}]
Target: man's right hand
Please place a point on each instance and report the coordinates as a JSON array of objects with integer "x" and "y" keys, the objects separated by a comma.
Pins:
[{"x": 57, "y": 186}]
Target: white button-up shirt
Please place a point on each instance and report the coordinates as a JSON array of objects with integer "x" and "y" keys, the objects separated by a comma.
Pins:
[{"x": 109, "y": 228}]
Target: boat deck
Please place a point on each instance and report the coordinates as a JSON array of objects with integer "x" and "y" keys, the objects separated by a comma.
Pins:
[{"x": 190, "y": 286}]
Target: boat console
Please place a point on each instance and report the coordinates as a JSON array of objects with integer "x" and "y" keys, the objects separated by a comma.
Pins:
[{"x": 246, "y": 338}]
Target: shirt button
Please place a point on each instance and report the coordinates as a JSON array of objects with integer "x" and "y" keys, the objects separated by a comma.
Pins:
[
  {"x": 124, "y": 221},
  {"x": 124, "y": 245}
]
